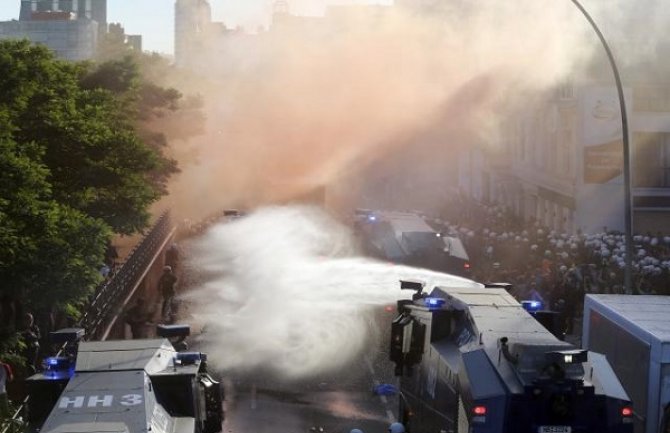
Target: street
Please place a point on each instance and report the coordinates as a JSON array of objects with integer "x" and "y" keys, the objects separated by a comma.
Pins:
[{"x": 335, "y": 403}]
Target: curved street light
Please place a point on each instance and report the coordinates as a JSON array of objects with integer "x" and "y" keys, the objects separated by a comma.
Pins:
[{"x": 628, "y": 223}]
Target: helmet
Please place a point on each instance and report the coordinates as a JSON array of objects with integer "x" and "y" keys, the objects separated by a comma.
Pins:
[
  {"x": 396, "y": 427},
  {"x": 167, "y": 268}
]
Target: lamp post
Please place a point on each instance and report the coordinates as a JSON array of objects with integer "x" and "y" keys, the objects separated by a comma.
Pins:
[{"x": 628, "y": 223}]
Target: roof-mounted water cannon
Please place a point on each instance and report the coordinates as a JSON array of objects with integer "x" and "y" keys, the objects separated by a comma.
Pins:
[
  {"x": 507, "y": 286},
  {"x": 67, "y": 335},
  {"x": 176, "y": 334},
  {"x": 172, "y": 331},
  {"x": 415, "y": 285}
]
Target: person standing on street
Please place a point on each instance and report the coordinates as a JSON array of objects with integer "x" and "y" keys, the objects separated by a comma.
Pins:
[
  {"x": 31, "y": 338},
  {"x": 167, "y": 285},
  {"x": 172, "y": 257}
]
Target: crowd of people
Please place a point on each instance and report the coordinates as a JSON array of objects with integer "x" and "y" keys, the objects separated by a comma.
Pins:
[{"x": 554, "y": 266}]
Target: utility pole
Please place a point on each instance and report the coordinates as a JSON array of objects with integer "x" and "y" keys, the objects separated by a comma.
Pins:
[{"x": 628, "y": 208}]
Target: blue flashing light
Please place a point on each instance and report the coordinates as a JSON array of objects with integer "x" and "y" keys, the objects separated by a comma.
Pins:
[
  {"x": 386, "y": 389},
  {"x": 372, "y": 218},
  {"x": 58, "y": 367},
  {"x": 434, "y": 303},
  {"x": 531, "y": 306},
  {"x": 57, "y": 363}
]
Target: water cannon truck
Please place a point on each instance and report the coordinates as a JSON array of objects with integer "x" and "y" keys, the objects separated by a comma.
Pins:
[
  {"x": 473, "y": 360},
  {"x": 126, "y": 386}
]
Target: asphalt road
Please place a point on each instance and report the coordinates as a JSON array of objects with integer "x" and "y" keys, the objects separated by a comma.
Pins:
[{"x": 334, "y": 404}]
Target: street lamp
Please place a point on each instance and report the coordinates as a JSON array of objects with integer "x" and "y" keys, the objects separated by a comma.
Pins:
[{"x": 628, "y": 223}]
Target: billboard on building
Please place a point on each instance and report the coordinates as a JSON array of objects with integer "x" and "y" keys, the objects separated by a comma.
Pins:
[{"x": 602, "y": 136}]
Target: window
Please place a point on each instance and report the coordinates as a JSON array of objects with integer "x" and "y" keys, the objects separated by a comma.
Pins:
[{"x": 651, "y": 159}]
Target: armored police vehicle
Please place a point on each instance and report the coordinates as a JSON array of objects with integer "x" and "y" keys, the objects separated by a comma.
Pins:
[
  {"x": 474, "y": 360},
  {"x": 406, "y": 238},
  {"x": 126, "y": 386}
]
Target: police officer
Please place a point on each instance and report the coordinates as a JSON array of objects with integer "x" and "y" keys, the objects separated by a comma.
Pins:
[{"x": 167, "y": 287}]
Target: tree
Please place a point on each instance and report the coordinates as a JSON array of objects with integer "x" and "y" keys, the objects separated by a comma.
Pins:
[
  {"x": 84, "y": 120},
  {"x": 49, "y": 253},
  {"x": 113, "y": 44},
  {"x": 161, "y": 107},
  {"x": 73, "y": 168}
]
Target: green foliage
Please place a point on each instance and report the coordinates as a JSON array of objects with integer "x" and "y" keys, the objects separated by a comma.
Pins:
[
  {"x": 112, "y": 45},
  {"x": 74, "y": 166},
  {"x": 161, "y": 107},
  {"x": 85, "y": 120},
  {"x": 49, "y": 253},
  {"x": 118, "y": 76}
]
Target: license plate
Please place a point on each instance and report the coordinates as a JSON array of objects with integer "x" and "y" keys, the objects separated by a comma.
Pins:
[{"x": 554, "y": 429}]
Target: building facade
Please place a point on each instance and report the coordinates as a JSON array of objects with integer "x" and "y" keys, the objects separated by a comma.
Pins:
[
  {"x": 70, "y": 28},
  {"x": 71, "y": 39},
  {"x": 95, "y": 10},
  {"x": 193, "y": 24},
  {"x": 560, "y": 162}
]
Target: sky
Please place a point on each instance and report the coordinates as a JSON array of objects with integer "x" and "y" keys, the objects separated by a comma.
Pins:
[{"x": 154, "y": 19}]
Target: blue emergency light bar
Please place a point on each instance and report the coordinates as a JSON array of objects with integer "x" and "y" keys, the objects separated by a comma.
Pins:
[
  {"x": 531, "y": 306},
  {"x": 58, "y": 367},
  {"x": 372, "y": 218},
  {"x": 57, "y": 362},
  {"x": 434, "y": 303}
]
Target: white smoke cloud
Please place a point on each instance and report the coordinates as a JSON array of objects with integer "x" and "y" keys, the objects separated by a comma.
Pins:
[
  {"x": 285, "y": 292},
  {"x": 324, "y": 102}
]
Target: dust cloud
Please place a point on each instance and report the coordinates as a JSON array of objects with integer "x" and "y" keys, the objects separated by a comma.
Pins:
[
  {"x": 335, "y": 101},
  {"x": 316, "y": 101},
  {"x": 285, "y": 292}
]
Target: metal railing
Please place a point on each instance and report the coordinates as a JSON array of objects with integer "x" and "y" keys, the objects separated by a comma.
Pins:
[{"x": 112, "y": 295}]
